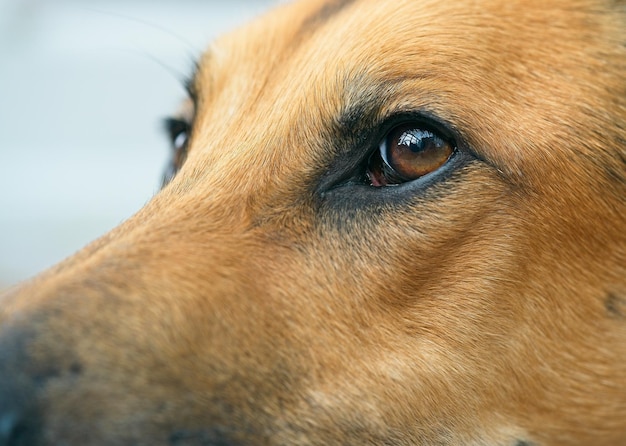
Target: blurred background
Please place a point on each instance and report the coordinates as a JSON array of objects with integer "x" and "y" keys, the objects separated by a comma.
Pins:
[{"x": 84, "y": 87}]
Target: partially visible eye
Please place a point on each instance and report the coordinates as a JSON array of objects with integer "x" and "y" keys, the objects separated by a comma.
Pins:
[
  {"x": 408, "y": 152},
  {"x": 178, "y": 131}
]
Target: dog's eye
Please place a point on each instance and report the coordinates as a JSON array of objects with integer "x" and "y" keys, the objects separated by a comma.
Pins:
[
  {"x": 179, "y": 135},
  {"x": 406, "y": 153}
]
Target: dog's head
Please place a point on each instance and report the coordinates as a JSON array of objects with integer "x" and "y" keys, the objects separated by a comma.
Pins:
[{"x": 389, "y": 222}]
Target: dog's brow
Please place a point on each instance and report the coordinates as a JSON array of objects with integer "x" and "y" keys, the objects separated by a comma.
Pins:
[
  {"x": 357, "y": 115},
  {"x": 365, "y": 99}
]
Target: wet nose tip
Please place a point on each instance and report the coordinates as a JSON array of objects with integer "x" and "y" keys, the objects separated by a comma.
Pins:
[
  {"x": 17, "y": 414},
  {"x": 9, "y": 429},
  {"x": 12, "y": 427}
]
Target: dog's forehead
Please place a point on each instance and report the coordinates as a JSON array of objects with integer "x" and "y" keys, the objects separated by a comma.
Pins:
[
  {"x": 475, "y": 64},
  {"x": 412, "y": 37}
]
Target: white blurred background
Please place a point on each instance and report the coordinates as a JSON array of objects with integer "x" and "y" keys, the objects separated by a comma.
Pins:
[{"x": 84, "y": 86}]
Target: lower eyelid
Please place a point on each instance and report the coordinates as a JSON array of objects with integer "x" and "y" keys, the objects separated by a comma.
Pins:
[{"x": 352, "y": 194}]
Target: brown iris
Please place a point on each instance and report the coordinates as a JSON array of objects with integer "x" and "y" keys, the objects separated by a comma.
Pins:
[{"x": 408, "y": 152}]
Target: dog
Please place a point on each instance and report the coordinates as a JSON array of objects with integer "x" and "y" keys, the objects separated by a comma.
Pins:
[{"x": 385, "y": 222}]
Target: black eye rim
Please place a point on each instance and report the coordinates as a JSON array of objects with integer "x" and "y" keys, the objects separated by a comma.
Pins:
[
  {"x": 176, "y": 126},
  {"x": 344, "y": 175}
]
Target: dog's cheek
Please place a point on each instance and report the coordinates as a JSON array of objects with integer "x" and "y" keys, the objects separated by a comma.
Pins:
[{"x": 395, "y": 299}]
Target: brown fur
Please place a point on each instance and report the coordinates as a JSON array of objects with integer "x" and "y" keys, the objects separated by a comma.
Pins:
[{"x": 258, "y": 299}]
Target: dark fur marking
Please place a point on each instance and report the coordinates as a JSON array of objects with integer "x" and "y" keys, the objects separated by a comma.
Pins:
[
  {"x": 325, "y": 13},
  {"x": 618, "y": 172},
  {"x": 615, "y": 305}
]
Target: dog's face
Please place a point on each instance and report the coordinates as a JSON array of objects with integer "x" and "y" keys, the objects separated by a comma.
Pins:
[{"x": 389, "y": 222}]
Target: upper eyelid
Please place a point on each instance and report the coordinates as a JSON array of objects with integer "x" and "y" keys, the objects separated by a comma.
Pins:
[
  {"x": 357, "y": 120},
  {"x": 367, "y": 135}
]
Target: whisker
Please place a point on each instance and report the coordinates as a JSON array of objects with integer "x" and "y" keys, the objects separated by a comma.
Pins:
[
  {"x": 182, "y": 76},
  {"x": 190, "y": 46}
]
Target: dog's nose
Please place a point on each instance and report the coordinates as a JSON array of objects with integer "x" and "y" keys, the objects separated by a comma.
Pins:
[
  {"x": 18, "y": 417},
  {"x": 12, "y": 427}
]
